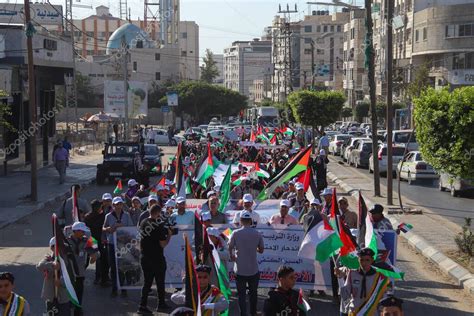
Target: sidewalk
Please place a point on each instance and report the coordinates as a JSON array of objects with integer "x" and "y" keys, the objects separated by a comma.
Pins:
[
  {"x": 15, "y": 187},
  {"x": 432, "y": 235}
]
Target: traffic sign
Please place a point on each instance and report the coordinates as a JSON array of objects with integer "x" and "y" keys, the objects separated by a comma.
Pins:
[{"x": 165, "y": 109}]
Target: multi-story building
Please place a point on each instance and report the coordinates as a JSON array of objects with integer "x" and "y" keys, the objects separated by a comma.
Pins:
[
  {"x": 355, "y": 83},
  {"x": 244, "y": 62},
  {"x": 188, "y": 50},
  {"x": 219, "y": 59}
]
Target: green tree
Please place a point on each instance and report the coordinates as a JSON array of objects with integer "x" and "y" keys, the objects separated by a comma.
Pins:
[
  {"x": 346, "y": 112},
  {"x": 5, "y": 112},
  {"x": 157, "y": 94},
  {"x": 420, "y": 82},
  {"x": 85, "y": 94},
  {"x": 381, "y": 109},
  {"x": 202, "y": 100},
  {"x": 445, "y": 129},
  {"x": 209, "y": 70},
  {"x": 361, "y": 110},
  {"x": 316, "y": 108}
]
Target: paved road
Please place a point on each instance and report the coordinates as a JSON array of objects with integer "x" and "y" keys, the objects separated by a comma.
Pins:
[
  {"x": 426, "y": 194},
  {"x": 22, "y": 245}
]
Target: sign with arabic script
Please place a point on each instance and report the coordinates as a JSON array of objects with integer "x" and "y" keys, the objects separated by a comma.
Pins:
[{"x": 13, "y": 13}]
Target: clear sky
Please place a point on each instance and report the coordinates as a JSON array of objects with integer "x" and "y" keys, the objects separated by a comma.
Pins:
[{"x": 220, "y": 21}]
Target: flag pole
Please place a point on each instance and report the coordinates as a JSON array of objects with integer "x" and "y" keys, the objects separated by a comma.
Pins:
[{"x": 56, "y": 256}]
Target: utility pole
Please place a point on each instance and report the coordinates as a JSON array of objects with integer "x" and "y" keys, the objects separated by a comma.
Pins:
[
  {"x": 370, "y": 60},
  {"x": 389, "y": 100},
  {"x": 125, "y": 86},
  {"x": 32, "y": 100},
  {"x": 287, "y": 47},
  {"x": 71, "y": 96}
]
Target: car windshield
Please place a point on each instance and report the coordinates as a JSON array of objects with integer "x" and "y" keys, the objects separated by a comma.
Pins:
[
  {"x": 418, "y": 157},
  {"x": 396, "y": 151},
  {"x": 151, "y": 150},
  {"x": 367, "y": 147},
  {"x": 123, "y": 150},
  {"x": 343, "y": 137},
  {"x": 403, "y": 137}
]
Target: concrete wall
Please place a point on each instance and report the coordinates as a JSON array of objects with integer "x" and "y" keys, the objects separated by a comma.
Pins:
[{"x": 155, "y": 116}]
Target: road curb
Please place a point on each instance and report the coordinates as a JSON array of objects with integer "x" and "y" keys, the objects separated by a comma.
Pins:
[
  {"x": 49, "y": 203},
  {"x": 454, "y": 270}
]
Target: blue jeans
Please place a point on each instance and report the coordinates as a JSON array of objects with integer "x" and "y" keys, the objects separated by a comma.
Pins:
[{"x": 252, "y": 282}]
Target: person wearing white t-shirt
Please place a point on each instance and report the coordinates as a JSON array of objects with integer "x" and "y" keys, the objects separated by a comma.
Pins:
[{"x": 248, "y": 203}]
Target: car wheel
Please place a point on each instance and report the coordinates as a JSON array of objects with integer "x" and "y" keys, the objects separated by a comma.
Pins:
[
  {"x": 409, "y": 179},
  {"x": 454, "y": 193},
  {"x": 440, "y": 186},
  {"x": 174, "y": 142},
  {"x": 99, "y": 178}
]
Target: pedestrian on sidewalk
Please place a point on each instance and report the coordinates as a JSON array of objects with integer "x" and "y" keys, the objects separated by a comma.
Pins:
[
  {"x": 115, "y": 219},
  {"x": 94, "y": 221},
  {"x": 56, "y": 305},
  {"x": 170, "y": 135},
  {"x": 83, "y": 207},
  {"x": 378, "y": 219},
  {"x": 11, "y": 303},
  {"x": 66, "y": 144},
  {"x": 82, "y": 252},
  {"x": 244, "y": 244},
  {"x": 61, "y": 161},
  {"x": 320, "y": 169},
  {"x": 323, "y": 143}
]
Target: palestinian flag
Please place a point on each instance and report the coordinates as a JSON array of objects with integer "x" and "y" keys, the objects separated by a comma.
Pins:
[
  {"x": 222, "y": 276},
  {"x": 348, "y": 252},
  {"x": 264, "y": 138},
  {"x": 75, "y": 209},
  {"x": 404, "y": 227},
  {"x": 159, "y": 185},
  {"x": 192, "y": 291},
  {"x": 305, "y": 178},
  {"x": 227, "y": 232},
  {"x": 252, "y": 138},
  {"x": 367, "y": 237},
  {"x": 206, "y": 169},
  {"x": 320, "y": 242},
  {"x": 286, "y": 131},
  {"x": 67, "y": 261},
  {"x": 198, "y": 234},
  {"x": 273, "y": 139},
  {"x": 179, "y": 173},
  {"x": 369, "y": 306},
  {"x": 389, "y": 270},
  {"x": 188, "y": 186},
  {"x": 260, "y": 172},
  {"x": 298, "y": 164},
  {"x": 302, "y": 303},
  {"x": 156, "y": 169},
  {"x": 118, "y": 189},
  {"x": 225, "y": 189},
  {"x": 92, "y": 243}
]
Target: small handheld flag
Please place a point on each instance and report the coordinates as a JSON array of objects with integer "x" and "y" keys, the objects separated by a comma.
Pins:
[
  {"x": 302, "y": 303},
  {"x": 405, "y": 227},
  {"x": 118, "y": 188}
]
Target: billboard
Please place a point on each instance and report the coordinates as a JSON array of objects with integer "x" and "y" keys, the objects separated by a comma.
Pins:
[
  {"x": 114, "y": 98},
  {"x": 13, "y": 13}
]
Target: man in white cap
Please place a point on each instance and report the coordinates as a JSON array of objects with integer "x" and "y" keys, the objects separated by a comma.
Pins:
[
  {"x": 283, "y": 218},
  {"x": 169, "y": 207},
  {"x": 80, "y": 249},
  {"x": 152, "y": 200},
  {"x": 290, "y": 192},
  {"x": 217, "y": 189},
  {"x": 107, "y": 202},
  {"x": 326, "y": 194},
  {"x": 115, "y": 219},
  {"x": 248, "y": 203},
  {"x": 182, "y": 216},
  {"x": 135, "y": 210},
  {"x": 244, "y": 244},
  {"x": 314, "y": 214},
  {"x": 243, "y": 188},
  {"x": 209, "y": 195},
  {"x": 47, "y": 266},
  {"x": 299, "y": 202}
]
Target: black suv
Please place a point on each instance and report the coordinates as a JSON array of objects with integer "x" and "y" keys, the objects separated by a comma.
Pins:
[{"x": 118, "y": 162}]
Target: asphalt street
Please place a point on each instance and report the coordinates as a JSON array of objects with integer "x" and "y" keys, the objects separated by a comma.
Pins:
[{"x": 426, "y": 194}]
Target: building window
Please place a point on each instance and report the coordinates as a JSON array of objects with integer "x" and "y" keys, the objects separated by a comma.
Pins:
[
  {"x": 307, "y": 40},
  {"x": 184, "y": 53},
  {"x": 470, "y": 61},
  {"x": 157, "y": 76},
  {"x": 307, "y": 51},
  {"x": 352, "y": 33},
  {"x": 90, "y": 34},
  {"x": 318, "y": 29},
  {"x": 50, "y": 44},
  {"x": 135, "y": 66},
  {"x": 417, "y": 36},
  {"x": 466, "y": 30},
  {"x": 308, "y": 28},
  {"x": 139, "y": 44},
  {"x": 320, "y": 51},
  {"x": 325, "y": 28},
  {"x": 184, "y": 35},
  {"x": 332, "y": 28},
  {"x": 450, "y": 31},
  {"x": 425, "y": 34},
  {"x": 157, "y": 56},
  {"x": 339, "y": 28},
  {"x": 341, "y": 51}
]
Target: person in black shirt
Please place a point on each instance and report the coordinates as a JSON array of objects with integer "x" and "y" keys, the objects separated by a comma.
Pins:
[
  {"x": 154, "y": 238},
  {"x": 95, "y": 220}
]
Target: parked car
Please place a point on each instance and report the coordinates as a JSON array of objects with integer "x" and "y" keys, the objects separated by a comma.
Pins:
[
  {"x": 397, "y": 156},
  {"x": 117, "y": 162},
  {"x": 359, "y": 156},
  {"x": 161, "y": 138},
  {"x": 401, "y": 137},
  {"x": 354, "y": 142},
  {"x": 336, "y": 143},
  {"x": 456, "y": 185},
  {"x": 152, "y": 158},
  {"x": 415, "y": 168}
]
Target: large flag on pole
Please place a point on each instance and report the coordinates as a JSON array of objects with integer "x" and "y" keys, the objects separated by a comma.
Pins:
[
  {"x": 367, "y": 237},
  {"x": 222, "y": 276},
  {"x": 320, "y": 241},
  {"x": 298, "y": 164},
  {"x": 206, "y": 169},
  {"x": 225, "y": 189},
  {"x": 348, "y": 252},
  {"x": 369, "y": 306},
  {"x": 75, "y": 210},
  {"x": 67, "y": 261},
  {"x": 192, "y": 290}
]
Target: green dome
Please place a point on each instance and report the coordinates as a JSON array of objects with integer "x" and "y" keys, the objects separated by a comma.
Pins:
[{"x": 133, "y": 36}]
